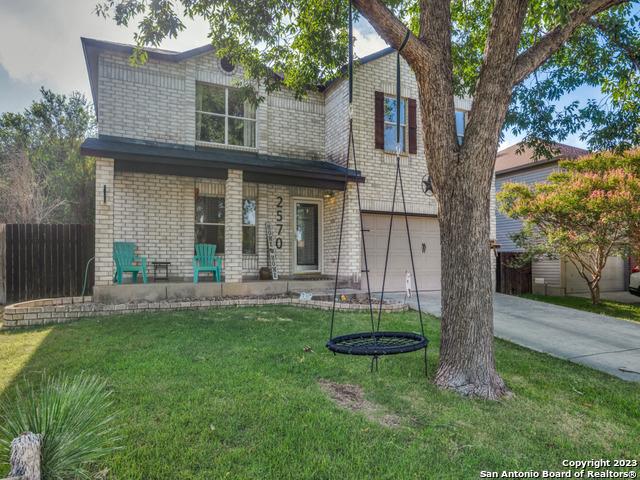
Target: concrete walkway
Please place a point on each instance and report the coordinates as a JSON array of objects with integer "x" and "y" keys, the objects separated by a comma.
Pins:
[{"x": 598, "y": 341}]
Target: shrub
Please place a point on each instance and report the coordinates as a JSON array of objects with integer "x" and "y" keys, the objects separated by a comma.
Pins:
[{"x": 71, "y": 414}]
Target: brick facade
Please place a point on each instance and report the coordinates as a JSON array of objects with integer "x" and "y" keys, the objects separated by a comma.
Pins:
[
  {"x": 104, "y": 221},
  {"x": 233, "y": 227},
  {"x": 156, "y": 102},
  {"x": 157, "y": 213}
]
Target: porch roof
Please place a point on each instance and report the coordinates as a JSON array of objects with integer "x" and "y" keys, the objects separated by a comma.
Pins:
[{"x": 182, "y": 160}]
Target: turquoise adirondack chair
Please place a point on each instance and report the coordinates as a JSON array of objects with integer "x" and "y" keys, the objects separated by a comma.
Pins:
[
  {"x": 124, "y": 256},
  {"x": 205, "y": 260}
]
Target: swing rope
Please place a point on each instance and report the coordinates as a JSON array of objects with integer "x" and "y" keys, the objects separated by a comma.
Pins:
[
  {"x": 404, "y": 204},
  {"x": 374, "y": 343},
  {"x": 351, "y": 147}
]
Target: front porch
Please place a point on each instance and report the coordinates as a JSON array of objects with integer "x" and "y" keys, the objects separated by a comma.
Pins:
[{"x": 166, "y": 211}]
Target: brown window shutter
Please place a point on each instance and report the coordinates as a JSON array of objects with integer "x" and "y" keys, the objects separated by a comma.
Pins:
[
  {"x": 379, "y": 119},
  {"x": 413, "y": 127}
]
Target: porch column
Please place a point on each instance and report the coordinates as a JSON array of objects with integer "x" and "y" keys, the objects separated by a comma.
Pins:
[
  {"x": 104, "y": 222},
  {"x": 233, "y": 227},
  {"x": 351, "y": 238}
]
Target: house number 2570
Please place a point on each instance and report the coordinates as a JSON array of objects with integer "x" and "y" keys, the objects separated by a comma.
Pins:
[{"x": 279, "y": 225}]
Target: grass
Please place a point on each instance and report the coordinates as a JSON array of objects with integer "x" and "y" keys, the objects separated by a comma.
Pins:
[
  {"x": 233, "y": 393},
  {"x": 628, "y": 311}
]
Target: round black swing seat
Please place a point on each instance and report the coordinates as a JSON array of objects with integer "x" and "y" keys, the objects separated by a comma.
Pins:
[{"x": 377, "y": 343}]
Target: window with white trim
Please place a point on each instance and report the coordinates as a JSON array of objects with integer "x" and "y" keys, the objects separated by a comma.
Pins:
[
  {"x": 209, "y": 221},
  {"x": 225, "y": 116},
  {"x": 248, "y": 226},
  {"x": 390, "y": 123},
  {"x": 460, "y": 125}
]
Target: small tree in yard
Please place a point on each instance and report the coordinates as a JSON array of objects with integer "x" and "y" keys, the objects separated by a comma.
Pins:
[
  {"x": 585, "y": 213},
  {"x": 487, "y": 50}
]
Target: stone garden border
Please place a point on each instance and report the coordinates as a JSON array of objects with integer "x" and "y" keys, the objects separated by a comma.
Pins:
[{"x": 61, "y": 310}]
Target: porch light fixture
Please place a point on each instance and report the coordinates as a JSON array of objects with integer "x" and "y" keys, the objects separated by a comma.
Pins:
[{"x": 328, "y": 194}]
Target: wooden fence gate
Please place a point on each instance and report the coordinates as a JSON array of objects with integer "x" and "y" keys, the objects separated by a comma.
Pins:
[
  {"x": 44, "y": 260},
  {"x": 510, "y": 280}
]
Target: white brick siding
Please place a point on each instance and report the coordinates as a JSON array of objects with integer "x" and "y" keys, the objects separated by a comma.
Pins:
[
  {"x": 233, "y": 227},
  {"x": 153, "y": 102},
  {"x": 156, "y": 212},
  {"x": 156, "y": 102},
  {"x": 350, "y": 254},
  {"x": 377, "y": 166},
  {"x": 104, "y": 222}
]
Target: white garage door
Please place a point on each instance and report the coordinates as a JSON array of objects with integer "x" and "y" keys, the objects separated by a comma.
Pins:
[
  {"x": 612, "y": 277},
  {"x": 425, "y": 239}
]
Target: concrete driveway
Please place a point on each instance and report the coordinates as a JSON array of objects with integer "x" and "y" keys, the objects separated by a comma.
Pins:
[{"x": 598, "y": 341}]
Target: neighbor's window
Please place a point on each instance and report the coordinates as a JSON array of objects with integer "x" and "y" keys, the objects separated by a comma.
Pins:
[
  {"x": 460, "y": 124},
  {"x": 224, "y": 115},
  {"x": 249, "y": 227},
  {"x": 210, "y": 221},
  {"x": 390, "y": 122}
]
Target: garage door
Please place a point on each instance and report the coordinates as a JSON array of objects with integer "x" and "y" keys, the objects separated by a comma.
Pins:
[
  {"x": 425, "y": 238},
  {"x": 612, "y": 277}
]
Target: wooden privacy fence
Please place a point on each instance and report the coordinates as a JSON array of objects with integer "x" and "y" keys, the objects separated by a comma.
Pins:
[
  {"x": 510, "y": 280},
  {"x": 44, "y": 260}
]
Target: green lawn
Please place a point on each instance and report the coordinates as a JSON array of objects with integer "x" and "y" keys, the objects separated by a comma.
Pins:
[
  {"x": 232, "y": 393},
  {"x": 606, "y": 307}
]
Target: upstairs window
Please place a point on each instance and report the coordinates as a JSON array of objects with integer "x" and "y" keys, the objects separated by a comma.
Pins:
[
  {"x": 224, "y": 116},
  {"x": 460, "y": 124},
  {"x": 390, "y": 123}
]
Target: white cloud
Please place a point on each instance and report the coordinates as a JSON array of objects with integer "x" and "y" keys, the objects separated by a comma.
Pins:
[
  {"x": 367, "y": 40},
  {"x": 40, "y": 42}
]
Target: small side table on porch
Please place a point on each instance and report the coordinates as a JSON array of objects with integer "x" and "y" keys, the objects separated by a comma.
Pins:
[{"x": 162, "y": 267}]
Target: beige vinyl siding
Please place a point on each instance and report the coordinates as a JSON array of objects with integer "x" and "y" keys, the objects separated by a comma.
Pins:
[{"x": 549, "y": 269}]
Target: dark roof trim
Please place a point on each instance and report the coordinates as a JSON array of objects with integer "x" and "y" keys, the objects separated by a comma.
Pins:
[
  {"x": 154, "y": 53},
  {"x": 91, "y": 47},
  {"x": 216, "y": 158},
  {"x": 400, "y": 214},
  {"x": 530, "y": 166}
]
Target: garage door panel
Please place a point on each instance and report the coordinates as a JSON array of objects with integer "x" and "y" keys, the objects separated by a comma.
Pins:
[{"x": 427, "y": 259}]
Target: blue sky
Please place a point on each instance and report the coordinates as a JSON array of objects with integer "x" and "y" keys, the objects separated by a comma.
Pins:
[{"x": 40, "y": 45}]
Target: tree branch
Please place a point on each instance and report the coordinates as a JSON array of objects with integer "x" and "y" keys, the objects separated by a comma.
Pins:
[
  {"x": 529, "y": 60},
  {"x": 633, "y": 55},
  {"x": 493, "y": 88},
  {"x": 391, "y": 29}
]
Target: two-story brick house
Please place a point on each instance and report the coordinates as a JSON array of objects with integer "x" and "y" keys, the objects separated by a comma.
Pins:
[{"x": 185, "y": 158}]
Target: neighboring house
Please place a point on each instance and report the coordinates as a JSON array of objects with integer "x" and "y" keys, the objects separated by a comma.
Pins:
[
  {"x": 184, "y": 159},
  {"x": 558, "y": 275}
]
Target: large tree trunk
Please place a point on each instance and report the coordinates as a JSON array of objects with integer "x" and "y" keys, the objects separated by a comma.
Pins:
[
  {"x": 467, "y": 363},
  {"x": 462, "y": 175},
  {"x": 595, "y": 293}
]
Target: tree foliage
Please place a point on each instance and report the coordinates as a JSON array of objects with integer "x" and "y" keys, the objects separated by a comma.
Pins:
[
  {"x": 302, "y": 43},
  {"x": 45, "y": 179},
  {"x": 585, "y": 212}
]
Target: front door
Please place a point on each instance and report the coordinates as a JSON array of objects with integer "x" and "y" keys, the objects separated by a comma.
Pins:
[{"x": 307, "y": 236}]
